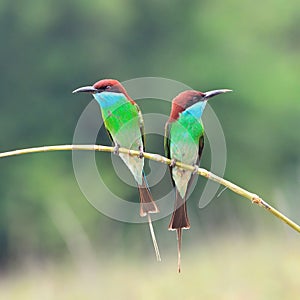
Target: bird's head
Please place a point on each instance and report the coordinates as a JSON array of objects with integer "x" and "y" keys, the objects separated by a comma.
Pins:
[
  {"x": 104, "y": 85},
  {"x": 109, "y": 86},
  {"x": 188, "y": 98}
]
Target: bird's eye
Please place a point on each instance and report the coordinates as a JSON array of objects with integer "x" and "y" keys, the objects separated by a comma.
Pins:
[{"x": 108, "y": 87}]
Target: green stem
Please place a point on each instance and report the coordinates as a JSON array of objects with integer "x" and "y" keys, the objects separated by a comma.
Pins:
[{"x": 156, "y": 157}]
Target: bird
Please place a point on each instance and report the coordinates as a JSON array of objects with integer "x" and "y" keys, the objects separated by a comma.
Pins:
[
  {"x": 184, "y": 142},
  {"x": 124, "y": 124}
]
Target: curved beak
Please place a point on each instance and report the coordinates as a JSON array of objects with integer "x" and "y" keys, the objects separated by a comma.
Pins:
[
  {"x": 85, "y": 89},
  {"x": 211, "y": 94}
]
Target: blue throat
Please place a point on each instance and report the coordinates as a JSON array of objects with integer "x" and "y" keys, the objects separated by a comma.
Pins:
[
  {"x": 108, "y": 99},
  {"x": 196, "y": 110}
]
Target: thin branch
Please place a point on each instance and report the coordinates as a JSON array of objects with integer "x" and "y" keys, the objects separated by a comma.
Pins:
[{"x": 156, "y": 157}]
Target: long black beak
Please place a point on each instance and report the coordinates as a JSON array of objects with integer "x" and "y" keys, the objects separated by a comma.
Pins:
[
  {"x": 85, "y": 89},
  {"x": 211, "y": 94}
]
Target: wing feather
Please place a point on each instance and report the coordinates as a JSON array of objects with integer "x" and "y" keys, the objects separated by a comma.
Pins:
[{"x": 141, "y": 125}]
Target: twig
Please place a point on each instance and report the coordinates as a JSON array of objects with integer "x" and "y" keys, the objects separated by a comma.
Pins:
[{"x": 156, "y": 157}]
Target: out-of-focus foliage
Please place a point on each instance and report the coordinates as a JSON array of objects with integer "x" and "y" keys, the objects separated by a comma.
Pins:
[{"x": 48, "y": 48}]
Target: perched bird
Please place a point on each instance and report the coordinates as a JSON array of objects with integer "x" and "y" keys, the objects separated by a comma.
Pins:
[
  {"x": 124, "y": 123},
  {"x": 184, "y": 142}
]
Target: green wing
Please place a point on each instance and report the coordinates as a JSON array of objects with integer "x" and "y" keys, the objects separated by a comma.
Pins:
[
  {"x": 141, "y": 124},
  {"x": 201, "y": 146},
  {"x": 167, "y": 146},
  {"x": 167, "y": 140}
]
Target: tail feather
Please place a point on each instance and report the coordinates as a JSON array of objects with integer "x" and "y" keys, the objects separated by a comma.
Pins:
[
  {"x": 179, "y": 218},
  {"x": 155, "y": 245},
  {"x": 178, "y": 222},
  {"x": 179, "y": 239},
  {"x": 147, "y": 206},
  {"x": 147, "y": 203}
]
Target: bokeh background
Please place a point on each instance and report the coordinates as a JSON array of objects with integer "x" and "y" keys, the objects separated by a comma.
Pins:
[{"x": 53, "y": 243}]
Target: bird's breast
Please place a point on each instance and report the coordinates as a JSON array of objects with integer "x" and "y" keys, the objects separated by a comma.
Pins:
[{"x": 184, "y": 139}]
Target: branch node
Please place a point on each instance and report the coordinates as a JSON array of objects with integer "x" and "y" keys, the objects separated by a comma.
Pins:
[
  {"x": 256, "y": 199},
  {"x": 130, "y": 153}
]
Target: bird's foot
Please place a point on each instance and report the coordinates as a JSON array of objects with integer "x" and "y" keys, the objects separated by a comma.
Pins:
[
  {"x": 196, "y": 169},
  {"x": 173, "y": 162},
  {"x": 116, "y": 149},
  {"x": 141, "y": 155}
]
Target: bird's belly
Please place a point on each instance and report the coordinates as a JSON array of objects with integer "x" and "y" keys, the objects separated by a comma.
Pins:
[
  {"x": 185, "y": 151},
  {"x": 127, "y": 134}
]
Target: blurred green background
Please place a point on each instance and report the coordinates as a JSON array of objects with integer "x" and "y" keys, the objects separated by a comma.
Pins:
[{"x": 54, "y": 243}]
